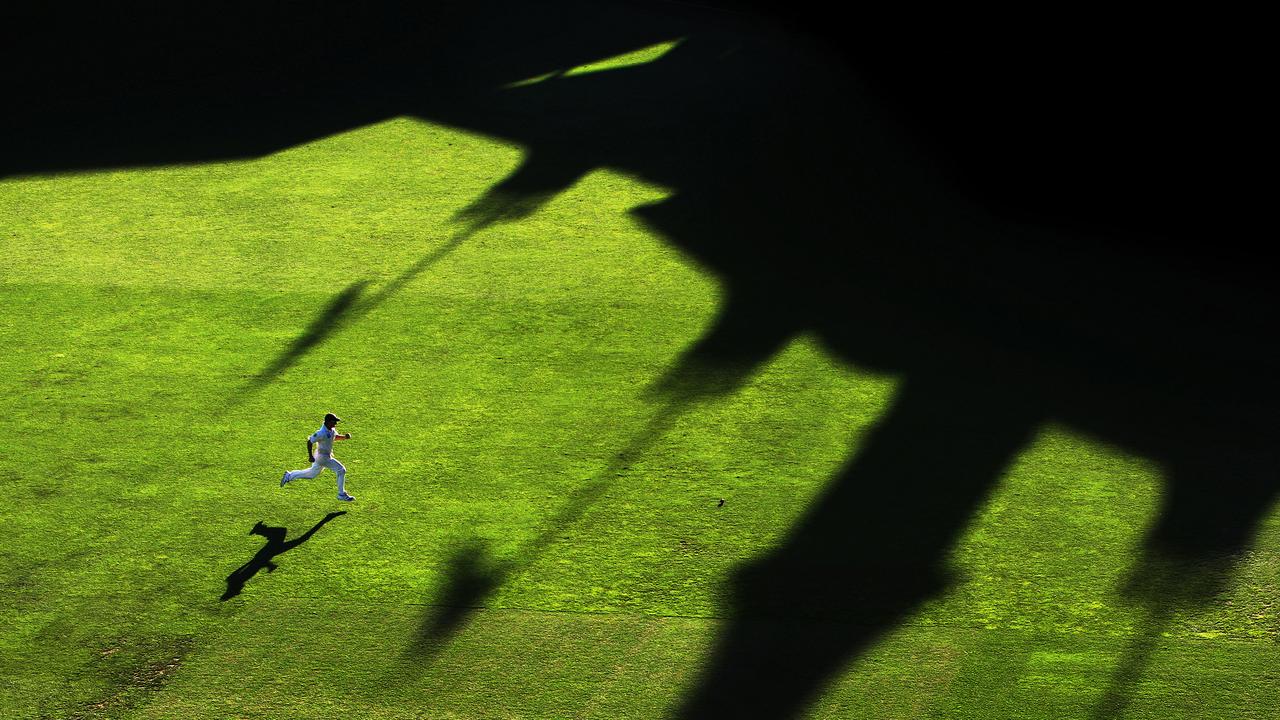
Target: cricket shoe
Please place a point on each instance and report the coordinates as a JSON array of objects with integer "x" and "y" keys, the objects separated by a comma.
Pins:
[{"x": 345, "y": 497}]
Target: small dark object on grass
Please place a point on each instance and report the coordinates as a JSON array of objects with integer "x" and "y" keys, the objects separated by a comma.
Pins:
[{"x": 721, "y": 504}]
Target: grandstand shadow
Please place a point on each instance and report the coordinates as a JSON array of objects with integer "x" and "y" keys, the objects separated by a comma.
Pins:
[
  {"x": 1019, "y": 241},
  {"x": 1086, "y": 302},
  {"x": 243, "y": 80}
]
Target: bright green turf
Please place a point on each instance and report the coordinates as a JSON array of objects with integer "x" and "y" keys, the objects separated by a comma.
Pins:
[{"x": 138, "y": 452}]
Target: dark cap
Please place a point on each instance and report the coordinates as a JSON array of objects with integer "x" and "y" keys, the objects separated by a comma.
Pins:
[{"x": 331, "y": 416}]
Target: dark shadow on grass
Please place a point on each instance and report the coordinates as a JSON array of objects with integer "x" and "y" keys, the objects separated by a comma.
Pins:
[
  {"x": 872, "y": 547},
  {"x": 159, "y": 86},
  {"x": 471, "y": 576},
  {"x": 1118, "y": 695},
  {"x": 530, "y": 186},
  {"x": 348, "y": 307},
  {"x": 473, "y": 573},
  {"x": 1090, "y": 302},
  {"x": 264, "y": 559},
  {"x": 1020, "y": 230},
  {"x": 328, "y": 321},
  {"x": 1162, "y": 585},
  {"x": 1210, "y": 508}
]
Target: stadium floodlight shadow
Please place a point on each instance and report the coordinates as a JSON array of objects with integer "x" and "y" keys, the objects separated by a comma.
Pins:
[
  {"x": 1168, "y": 579},
  {"x": 328, "y": 321},
  {"x": 264, "y": 558},
  {"x": 1189, "y": 554},
  {"x": 1163, "y": 583},
  {"x": 470, "y": 577},
  {"x": 348, "y": 306},
  {"x": 473, "y": 573}
]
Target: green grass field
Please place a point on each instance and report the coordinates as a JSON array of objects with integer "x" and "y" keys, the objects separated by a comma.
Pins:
[{"x": 498, "y": 392}]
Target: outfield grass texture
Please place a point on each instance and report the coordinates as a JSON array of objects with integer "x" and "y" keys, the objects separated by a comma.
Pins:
[{"x": 500, "y": 402}]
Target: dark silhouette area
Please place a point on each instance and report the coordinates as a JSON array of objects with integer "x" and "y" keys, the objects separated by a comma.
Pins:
[
  {"x": 868, "y": 551},
  {"x": 1086, "y": 307},
  {"x": 264, "y": 559},
  {"x": 147, "y": 85},
  {"x": 1053, "y": 226}
]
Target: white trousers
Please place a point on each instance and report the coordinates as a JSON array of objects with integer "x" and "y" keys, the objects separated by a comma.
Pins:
[{"x": 321, "y": 462}]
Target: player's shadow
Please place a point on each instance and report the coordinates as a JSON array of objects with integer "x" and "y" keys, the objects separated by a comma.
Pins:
[{"x": 264, "y": 558}]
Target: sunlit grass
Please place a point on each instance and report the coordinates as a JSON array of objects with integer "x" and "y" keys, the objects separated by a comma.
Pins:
[
  {"x": 635, "y": 57},
  {"x": 482, "y": 393}
]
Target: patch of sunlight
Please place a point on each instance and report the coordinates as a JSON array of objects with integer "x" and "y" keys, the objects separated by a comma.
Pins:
[
  {"x": 1059, "y": 533},
  {"x": 1061, "y": 529},
  {"x": 1036, "y": 570},
  {"x": 635, "y": 57},
  {"x": 531, "y": 81},
  {"x": 371, "y": 201}
]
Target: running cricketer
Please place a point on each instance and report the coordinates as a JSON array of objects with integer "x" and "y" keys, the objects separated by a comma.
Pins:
[{"x": 320, "y": 452}]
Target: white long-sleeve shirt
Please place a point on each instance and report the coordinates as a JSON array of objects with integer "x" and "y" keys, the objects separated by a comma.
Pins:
[{"x": 323, "y": 438}]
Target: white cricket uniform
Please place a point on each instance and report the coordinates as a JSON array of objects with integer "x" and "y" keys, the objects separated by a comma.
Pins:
[{"x": 323, "y": 438}]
